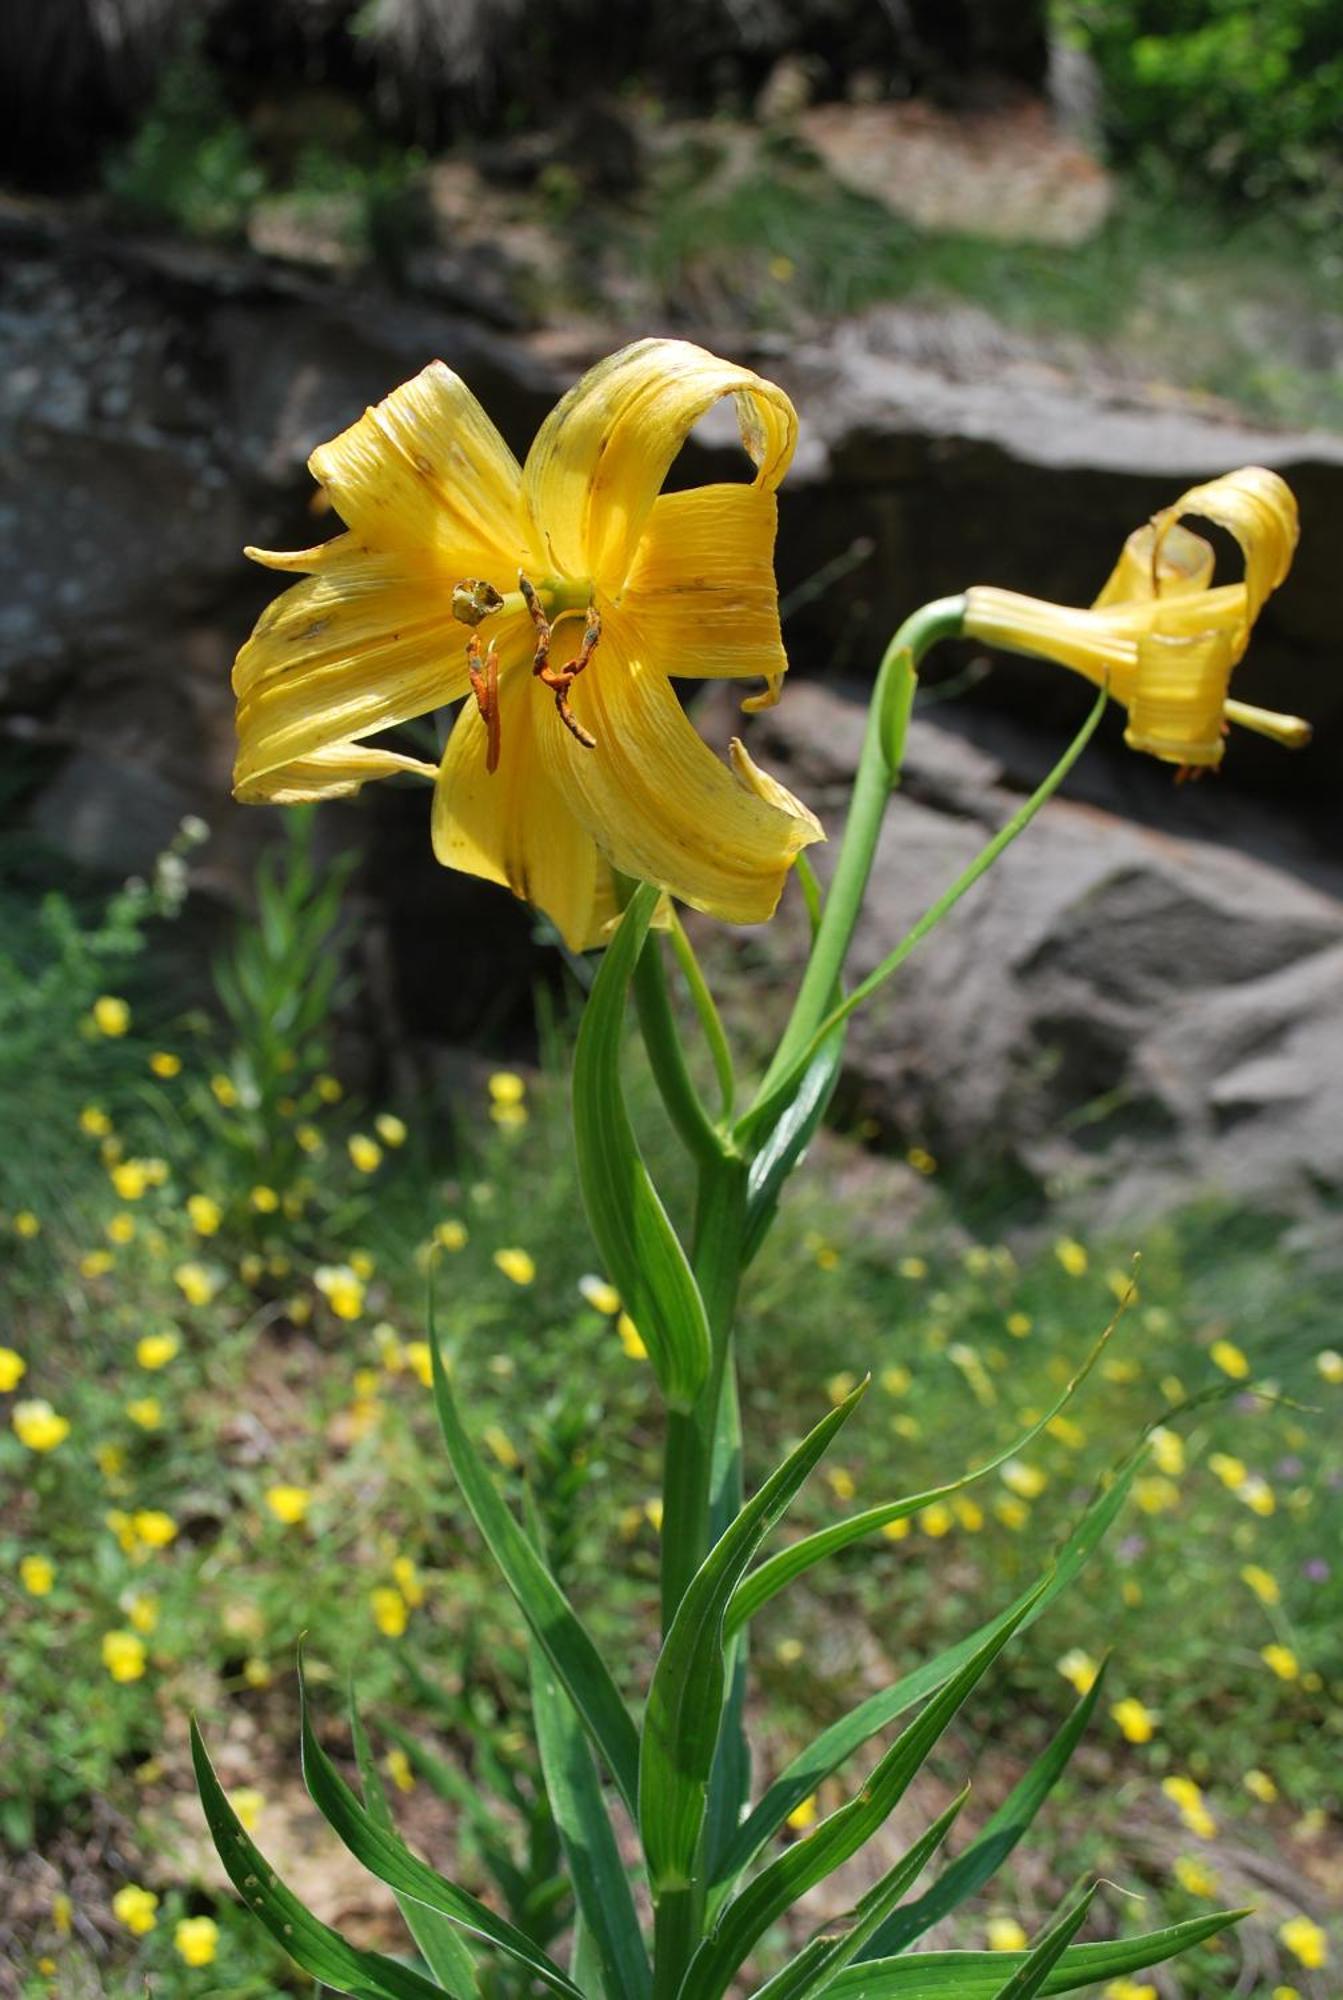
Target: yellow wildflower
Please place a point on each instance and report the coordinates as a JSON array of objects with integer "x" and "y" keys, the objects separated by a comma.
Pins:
[
  {"x": 1160, "y": 635},
  {"x": 1257, "y": 1494},
  {"x": 38, "y": 1426},
  {"x": 225, "y": 1092},
  {"x": 196, "y": 1940},
  {"x": 142, "y": 1609},
  {"x": 1026, "y": 1481},
  {"x": 1068, "y": 1432},
  {"x": 111, "y": 1017},
  {"x": 1155, "y": 1494},
  {"x": 205, "y": 1213},
  {"x": 120, "y": 1228},
  {"x": 551, "y": 779},
  {"x": 408, "y": 1581},
  {"x": 1260, "y": 1786},
  {"x": 163, "y": 1063},
  {"x": 256, "y": 1671},
  {"x": 27, "y": 1225},
  {"x": 390, "y": 1129},
  {"x": 156, "y": 1350},
  {"x": 1233, "y": 1472},
  {"x": 1005, "y": 1934},
  {"x": 365, "y": 1153},
  {"x": 124, "y": 1655},
  {"x": 1306, "y": 1941},
  {"x": 1131, "y": 1989},
  {"x": 341, "y": 1289},
  {"x": 653, "y": 1514},
  {"x": 1019, "y": 1324},
  {"x": 96, "y": 1263},
  {"x": 1262, "y": 1582},
  {"x": 1013, "y": 1513},
  {"x": 937, "y": 1520},
  {"x": 1282, "y": 1660},
  {"x": 1079, "y": 1669},
  {"x": 146, "y": 1411},
  {"x": 515, "y": 1264},
  {"x": 95, "y": 1121},
  {"x": 264, "y": 1199},
  {"x": 841, "y": 1385},
  {"x": 922, "y": 1161},
  {"x": 37, "y": 1574},
  {"x": 1072, "y": 1256},
  {"x": 1195, "y": 1877},
  {"x": 1167, "y": 1451},
  {"x": 153, "y": 1527},
  {"x": 502, "y": 1446},
  {"x": 13, "y": 1368},
  {"x": 390, "y": 1613},
  {"x": 1329, "y": 1365},
  {"x": 1137, "y": 1722},
  {"x": 1224, "y": 1354},
  {"x": 803, "y": 1815},
  {"x": 134, "y": 1907},
  {"x": 897, "y": 1530},
  {"x": 288, "y": 1503},
  {"x": 600, "y": 1294},
  {"x": 841, "y": 1482},
  {"x": 912, "y": 1267},
  {"x": 399, "y": 1769},
  {"x": 420, "y": 1361},
  {"x": 196, "y": 1284},
  {"x": 249, "y": 1804},
  {"x": 129, "y": 1179}
]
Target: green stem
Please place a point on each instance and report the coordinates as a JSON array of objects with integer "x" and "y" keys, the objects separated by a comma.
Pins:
[
  {"x": 709, "y": 1018},
  {"x": 666, "y": 1057},
  {"x": 878, "y": 773}
]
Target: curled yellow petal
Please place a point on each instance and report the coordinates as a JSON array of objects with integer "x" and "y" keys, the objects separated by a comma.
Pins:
[
  {"x": 334, "y": 772},
  {"x": 1259, "y": 508},
  {"x": 601, "y": 456}
]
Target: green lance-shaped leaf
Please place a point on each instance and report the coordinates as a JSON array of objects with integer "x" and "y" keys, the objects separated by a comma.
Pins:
[
  {"x": 824, "y": 1957},
  {"x": 641, "y": 1251},
  {"x": 790, "y": 1137},
  {"x": 465, "y": 1796},
  {"x": 1029, "y": 1977},
  {"x": 385, "y": 1855},
  {"x": 440, "y": 1943},
  {"x": 981, "y": 1860},
  {"x": 600, "y": 1883},
  {"x": 978, "y": 1975},
  {"x": 320, "y": 1951},
  {"x": 830, "y": 1749},
  {"x": 554, "y": 1623},
  {"x": 744, "y": 1921},
  {"x": 762, "y": 1584},
  {"x": 685, "y": 1700}
]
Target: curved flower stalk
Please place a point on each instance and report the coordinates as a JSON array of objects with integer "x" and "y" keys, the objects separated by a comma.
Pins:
[
  {"x": 1161, "y": 636},
  {"x": 462, "y": 574}
]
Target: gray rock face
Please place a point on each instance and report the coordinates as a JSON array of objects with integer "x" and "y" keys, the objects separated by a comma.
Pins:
[{"x": 1117, "y": 1011}]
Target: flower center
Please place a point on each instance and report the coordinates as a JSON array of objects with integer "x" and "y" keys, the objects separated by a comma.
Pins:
[{"x": 474, "y": 600}]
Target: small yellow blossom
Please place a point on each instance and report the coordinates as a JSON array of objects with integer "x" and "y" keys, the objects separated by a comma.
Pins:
[
  {"x": 1225, "y": 1354},
  {"x": 309, "y": 1138},
  {"x": 841, "y": 1385},
  {"x": 897, "y": 1530},
  {"x": 506, "y": 1088},
  {"x": 452, "y": 1235},
  {"x": 256, "y": 1671},
  {"x": 1019, "y": 1324},
  {"x": 399, "y": 1769},
  {"x": 146, "y": 1411},
  {"x": 1120, "y": 1284},
  {"x": 515, "y": 1264},
  {"x": 365, "y": 1153},
  {"x": 390, "y": 1129},
  {"x": 968, "y": 1512},
  {"x": 937, "y": 1520},
  {"x": 912, "y": 1267},
  {"x": 390, "y": 1612},
  {"x": 803, "y": 1815},
  {"x": 1232, "y": 1472},
  {"x": 288, "y": 1503},
  {"x": 1005, "y": 1934},
  {"x": 1167, "y": 1451},
  {"x": 1025, "y": 1480},
  {"x": 1137, "y": 1722},
  {"x": 896, "y": 1380},
  {"x": 134, "y": 1907},
  {"x": 120, "y": 1228},
  {"x": 156, "y": 1350},
  {"x": 1329, "y": 1365},
  {"x": 1282, "y": 1660},
  {"x": 129, "y": 1179},
  {"x": 1260, "y": 1786},
  {"x": 94, "y": 1121},
  {"x": 1306, "y": 1941},
  {"x": 124, "y": 1655},
  {"x": 921, "y": 1160},
  {"x": 205, "y": 1214},
  {"x": 27, "y": 1225},
  {"x": 249, "y": 1804},
  {"x": 341, "y": 1289},
  {"x": 1072, "y": 1256},
  {"x": 408, "y": 1581},
  {"x": 1257, "y": 1494},
  {"x": 13, "y": 1368},
  {"x": 264, "y": 1199},
  {"x": 165, "y": 1064},
  {"x": 653, "y": 1514},
  {"x": 225, "y": 1092},
  {"x": 96, "y": 1263},
  {"x": 37, "y": 1574},
  {"x": 841, "y": 1482},
  {"x": 329, "y": 1089},
  {"x": 827, "y": 1257},
  {"x": 196, "y": 1284},
  {"x": 38, "y": 1426},
  {"x": 142, "y": 1608},
  {"x": 1278, "y": 1993},
  {"x": 600, "y": 1294},
  {"x": 110, "y": 1460},
  {"x": 1131, "y": 1989},
  {"x": 502, "y": 1446},
  {"x": 1116, "y": 1369},
  {"x": 153, "y": 1527},
  {"x": 420, "y": 1361},
  {"x": 1013, "y": 1513},
  {"x": 1078, "y": 1668},
  {"x": 1067, "y": 1432},
  {"x": 1156, "y": 1494},
  {"x": 196, "y": 1940},
  {"x": 111, "y": 1016},
  {"x": 1262, "y": 1582}
]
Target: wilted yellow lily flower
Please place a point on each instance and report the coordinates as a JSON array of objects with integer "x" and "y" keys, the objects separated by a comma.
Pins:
[
  {"x": 593, "y": 588},
  {"x": 1160, "y": 633}
]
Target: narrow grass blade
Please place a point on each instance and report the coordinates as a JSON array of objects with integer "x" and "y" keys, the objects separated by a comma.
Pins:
[
  {"x": 685, "y": 1700},
  {"x": 823, "y": 1958},
  {"x": 744, "y": 1921},
  {"x": 830, "y": 1749},
  {"x": 320, "y": 1951},
  {"x": 982, "y": 1859},
  {"x": 640, "y": 1250},
  {"x": 784, "y": 1568},
  {"x": 1030, "y": 1976},
  {"x": 439, "y": 1942},
  {"x": 978, "y": 1975},
  {"x": 385, "y": 1855},
  {"x": 600, "y": 1883},
  {"x": 464, "y": 1795},
  {"x": 553, "y": 1621}
]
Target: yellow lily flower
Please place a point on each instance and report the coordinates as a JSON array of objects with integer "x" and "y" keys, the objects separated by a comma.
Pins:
[
  {"x": 554, "y": 775},
  {"x": 1160, "y": 633}
]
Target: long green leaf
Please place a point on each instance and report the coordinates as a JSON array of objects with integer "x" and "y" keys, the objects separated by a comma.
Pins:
[
  {"x": 1029, "y": 1977},
  {"x": 641, "y": 1252},
  {"x": 762, "y": 1584},
  {"x": 824, "y": 1957},
  {"x": 466, "y": 1797},
  {"x": 385, "y": 1855},
  {"x": 440, "y": 1943},
  {"x": 685, "y": 1700},
  {"x": 984, "y": 1856},
  {"x": 600, "y": 1882},
  {"x": 320, "y": 1951},
  {"x": 553, "y": 1621},
  {"x": 830, "y": 1749},
  {"x": 744, "y": 1921},
  {"x": 978, "y": 1975},
  {"x": 790, "y": 1137}
]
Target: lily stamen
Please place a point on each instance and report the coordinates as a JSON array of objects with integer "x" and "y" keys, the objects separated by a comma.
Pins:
[
  {"x": 485, "y": 688},
  {"x": 560, "y": 679}
]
